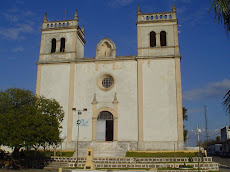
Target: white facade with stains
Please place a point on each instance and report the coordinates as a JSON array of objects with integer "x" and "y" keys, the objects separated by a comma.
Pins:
[{"x": 133, "y": 102}]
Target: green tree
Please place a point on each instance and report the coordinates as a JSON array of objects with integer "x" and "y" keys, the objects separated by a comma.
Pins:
[
  {"x": 222, "y": 12},
  {"x": 185, "y": 118},
  {"x": 226, "y": 103},
  {"x": 27, "y": 120}
]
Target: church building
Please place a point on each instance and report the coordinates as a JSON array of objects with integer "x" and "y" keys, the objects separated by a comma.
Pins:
[{"x": 115, "y": 103}]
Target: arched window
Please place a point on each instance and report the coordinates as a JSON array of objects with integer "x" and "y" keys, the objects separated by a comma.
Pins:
[
  {"x": 62, "y": 47},
  {"x": 152, "y": 39},
  {"x": 163, "y": 38},
  {"x": 105, "y": 126},
  {"x": 53, "y": 46}
]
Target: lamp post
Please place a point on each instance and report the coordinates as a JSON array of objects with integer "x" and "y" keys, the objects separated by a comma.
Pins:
[
  {"x": 62, "y": 136},
  {"x": 78, "y": 123}
]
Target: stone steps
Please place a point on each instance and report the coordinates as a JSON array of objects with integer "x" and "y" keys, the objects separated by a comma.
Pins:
[
  {"x": 204, "y": 166},
  {"x": 112, "y": 162},
  {"x": 103, "y": 149},
  {"x": 133, "y": 160},
  {"x": 55, "y": 165}
]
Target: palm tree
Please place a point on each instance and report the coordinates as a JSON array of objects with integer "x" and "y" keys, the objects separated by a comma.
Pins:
[
  {"x": 222, "y": 12},
  {"x": 226, "y": 103}
]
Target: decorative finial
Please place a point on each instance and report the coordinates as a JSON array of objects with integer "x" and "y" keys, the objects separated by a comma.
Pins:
[
  {"x": 94, "y": 99},
  {"x": 115, "y": 98},
  {"x": 45, "y": 18},
  {"x": 174, "y": 8},
  {"x": 83, "y": 28},
  {"x": 75, "y": 15},
  {"x": 138, "y": 10}
]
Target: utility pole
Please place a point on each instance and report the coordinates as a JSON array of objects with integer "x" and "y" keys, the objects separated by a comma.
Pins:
[
  {"x": 198, "y": 143},
  {"x": 187, "y": 140},
  {"x": 206, "y": 123},
  {"x": 79, "y": 112}
]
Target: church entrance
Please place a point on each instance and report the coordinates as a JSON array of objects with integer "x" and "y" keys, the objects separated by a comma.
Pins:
[{"x": 105, "y": 126}]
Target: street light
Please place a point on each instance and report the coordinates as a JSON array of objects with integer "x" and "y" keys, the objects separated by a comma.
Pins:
[
  {"x": 62, "y": 136},
  {"x": 78, "y": 123},
  {"x": 198, "y": 142}
]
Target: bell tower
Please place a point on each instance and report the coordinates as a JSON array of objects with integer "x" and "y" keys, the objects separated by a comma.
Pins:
[
  {"x": 61, "y": 40},
  {"x": 157, "y": 34}
]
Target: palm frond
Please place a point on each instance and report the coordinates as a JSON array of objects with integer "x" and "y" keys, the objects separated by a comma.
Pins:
[
  {"x": 226, "y": 102},
  {"x": 222, "y": 12}
]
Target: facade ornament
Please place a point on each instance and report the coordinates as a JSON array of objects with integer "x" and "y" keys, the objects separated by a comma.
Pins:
[
  {"x": 94, "y": 99},
  {"x": 45, "y": 18},
  {"x": 83, "y": 28},
  {"x": 115, "y": 98},
  {"x": 138, "y": 10},
  {"x": 174, "y": 8},
  {"x": 76, "y": 15}
]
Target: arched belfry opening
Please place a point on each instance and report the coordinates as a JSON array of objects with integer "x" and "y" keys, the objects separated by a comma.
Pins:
[
  {"x": 152, "y": 39},
  {"x": 163, "y": 38},
  {"x": 105, "y": 126},
  {"x": 62, "y": 47},
  {"x": 53, "y": 45}
]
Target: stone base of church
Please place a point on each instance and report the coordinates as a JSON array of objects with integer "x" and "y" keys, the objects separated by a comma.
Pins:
[
  {"x": 119, "y": 148},
  {"x": 158, "y": 146}
]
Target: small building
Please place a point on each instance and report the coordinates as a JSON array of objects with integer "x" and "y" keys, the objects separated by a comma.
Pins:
[
  {"x": 214, "y": 149},
  {"x": 225, "y": 138}
]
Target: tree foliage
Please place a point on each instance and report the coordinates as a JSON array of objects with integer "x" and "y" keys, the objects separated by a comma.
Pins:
[
  {"x": 226, "y": 102},
  {"x": 185, "y": 118},
  {"x": 222, "y": 12},
  {"x": 28, "y": 120}
]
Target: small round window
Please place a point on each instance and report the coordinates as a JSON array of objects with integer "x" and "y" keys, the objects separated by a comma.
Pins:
[{"x": 105, "y": 82}]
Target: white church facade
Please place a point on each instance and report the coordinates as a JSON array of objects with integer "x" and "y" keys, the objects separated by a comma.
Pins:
[{"x": 132, "y": 102}]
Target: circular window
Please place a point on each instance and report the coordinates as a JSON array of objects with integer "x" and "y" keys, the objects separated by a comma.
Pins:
[{"x": 105, "y": 82}]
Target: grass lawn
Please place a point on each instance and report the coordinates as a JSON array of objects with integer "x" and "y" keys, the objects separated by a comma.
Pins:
[
  {"x": 161, "y": 154},
  {"x": 64, "y": 154}
]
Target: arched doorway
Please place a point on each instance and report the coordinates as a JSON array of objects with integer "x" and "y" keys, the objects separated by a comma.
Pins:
[{"x": 105, "y": 126}]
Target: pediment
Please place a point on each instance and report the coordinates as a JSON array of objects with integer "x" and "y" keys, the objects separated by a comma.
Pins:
[{"x": 105, "y": 49}]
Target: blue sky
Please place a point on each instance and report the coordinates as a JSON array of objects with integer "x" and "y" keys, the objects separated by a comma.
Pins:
[{"x": 204, "y": 45}]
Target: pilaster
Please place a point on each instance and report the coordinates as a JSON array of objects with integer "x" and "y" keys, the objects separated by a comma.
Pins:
[
  {"x": 158, "y": 40},
  {"x": 140, "y": 100},
  {"x": 94, "y": 119},
  {"x": 176, "y": 42},
  {"x": 38, "y": 83},
  {"x": 71, "y": 100},
  {"x": 179, "y": 101},
  {"x": 115, "y": 117}
]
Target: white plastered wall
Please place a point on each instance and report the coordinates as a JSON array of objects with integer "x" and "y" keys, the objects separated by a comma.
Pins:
[
  {"x": 55, "y": 84},
  {"x": 125, "y": 75},
  {"x": 46, "y": 42},
  {"x": 157, "y": 28},
  {"x": 159, "y": 100}
]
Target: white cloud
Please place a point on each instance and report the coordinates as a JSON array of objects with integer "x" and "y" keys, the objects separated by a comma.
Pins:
[
  {"x": 19, "y": 22},
  {"x": 18, "y": 49},
  {"x": 212, "y": 90},
  {"x": 11, "y": 18},
  {"x": 15, "y": 32},
  {"x": 120, "y": 3},
  {"x": 194, "y": 110}
]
